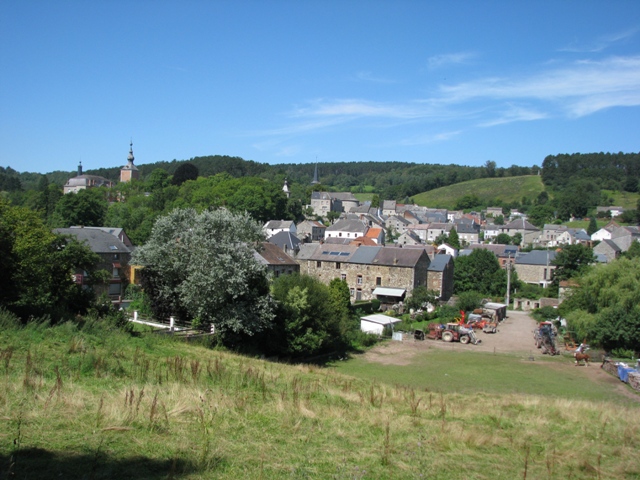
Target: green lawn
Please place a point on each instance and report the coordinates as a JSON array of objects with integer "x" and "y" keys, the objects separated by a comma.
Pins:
[{"x": 440, "y": 370}]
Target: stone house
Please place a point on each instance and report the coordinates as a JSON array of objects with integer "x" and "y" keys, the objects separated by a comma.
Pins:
[
  {"x": 609, "y": 249},
  {"x": 364, "y": 268},
  {"x": 397, "y": 223},
  {"x": 376, "y": 234},
  {"x": 310, "y": 231},
  {"x": 530, "y": 233},
  {"x": 468, "y": 233},
  {"x": 409, "y": 238},
  {"x": 440, "y": 276},
  {"x": 277, "y": 262},
  {"x": 388, "y": 207},
  {"x": 437, "y": 229},
  {"x": 114, "y": 257},
  {"x": 536, "y": 267},
  {"x": 624, "y": 236},
  {"x": 322, "y": 204}
]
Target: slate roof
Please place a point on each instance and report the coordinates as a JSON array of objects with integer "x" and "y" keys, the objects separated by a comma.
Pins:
[
  {"x": 399, "y": 257},
  {"x": 439, "y": 262},
  {"x": 275, "y": 224},
  {"x": 285, "y": 239},
  {"x": 520, "y": 224},
  {"x": 307, "y": 250},
  {"x": 347, "y": 226},
  {"x": 98, "y": 241},
  {"x": 271, "y": 254},
  {"x": 536, "y": 257}
]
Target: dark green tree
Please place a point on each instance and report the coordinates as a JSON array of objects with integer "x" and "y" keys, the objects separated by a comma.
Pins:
[
  {"x": 453, "y": 238},
  {"x": 480, "y": 272},
  {"x": 186, "y": 171},
  {"x": 503, "y": 239},
  {"x": 39, "y": 265},
  {"x": 593, "y": 226},
  {"x": 572, "y": 261},
  {"x": 87, "y": 207}
]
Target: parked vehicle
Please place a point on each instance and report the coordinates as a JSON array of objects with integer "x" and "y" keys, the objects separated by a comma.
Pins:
[
  {"x": 545, "y": 338},
  {"x": 452, "y": 332}
]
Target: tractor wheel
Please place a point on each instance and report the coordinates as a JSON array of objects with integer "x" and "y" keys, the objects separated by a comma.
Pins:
[
  {"x": 465, "y": 339},
  {"x": 447, "y": 336}
]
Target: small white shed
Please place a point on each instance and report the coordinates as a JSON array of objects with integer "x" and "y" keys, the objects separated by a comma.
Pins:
[{"x": 376, "y": 323}]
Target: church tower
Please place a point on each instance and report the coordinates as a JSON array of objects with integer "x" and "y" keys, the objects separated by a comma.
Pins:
[{"x": 129, "y": 171}]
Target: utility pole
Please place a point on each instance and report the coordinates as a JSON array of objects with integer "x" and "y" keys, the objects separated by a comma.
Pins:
[{"x": 508, "y": 279}]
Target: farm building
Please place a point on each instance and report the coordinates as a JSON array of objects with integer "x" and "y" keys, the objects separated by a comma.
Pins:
[{"x": 376, "y": 323}]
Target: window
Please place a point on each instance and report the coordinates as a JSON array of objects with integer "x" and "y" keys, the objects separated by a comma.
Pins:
[
  {"x": 359, "y": 280},
  {"x": 116, "y": 256},
  {"x": 343, "y": 277},
  {"x": 116, "y": 272},
  {"x": 352, "y": 291},
  {"x": 378, "y": 281},
  {"x": 319, "y": 264},
  {"x": 338, "y": 265}
]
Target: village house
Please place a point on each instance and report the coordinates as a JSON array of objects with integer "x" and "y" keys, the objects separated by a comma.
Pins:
[
  {"x": 310, "y": 231},
  {"x": 408, "y": 238},
  {"x": 346, "y": 229},
  {"x": 365, "y": 268},
  {"x": 397, "y": 223},
  {"x": 435, "y": 230},
  {"x": 286, "y": 241},
  {"x": 605, "y": 232},
  {"x": 388, "y": 207},
  {"x": 530, "y": 233},
  {"x": 468, "y": 233},
  {"x": 277, "y": 262},
  {"x": 625, "y": 236},
  {"x": 440, "y": 276},
  {"x": 275, "y": 226},
  {"x": 608, "y": 249},
  {"x": 114, "y": 257},
  {"x": 536, "y": 267},
  {"x": 324, "y": 202},
  {"x": 612, "y": 211}
]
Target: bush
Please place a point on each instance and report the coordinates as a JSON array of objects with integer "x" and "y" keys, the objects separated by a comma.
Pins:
[
  {"x": 545, "y": 314},
  {"x": 469, "y": 301}
]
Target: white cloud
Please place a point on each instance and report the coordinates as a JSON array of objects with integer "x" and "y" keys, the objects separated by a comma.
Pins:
[
  {"x": 429, "y": 138},
  {"x": 439, "y": 61},
  {"x": 601, "y": 43}
]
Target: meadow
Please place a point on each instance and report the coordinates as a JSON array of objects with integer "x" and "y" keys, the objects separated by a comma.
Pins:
[{"x": 87, "y": 401}]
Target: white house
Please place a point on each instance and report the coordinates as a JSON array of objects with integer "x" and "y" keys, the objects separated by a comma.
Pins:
[
  {"x": 346, "y": 229},
  {"x": 375, "y": 323},
  {"x": 275, "y": 226}
]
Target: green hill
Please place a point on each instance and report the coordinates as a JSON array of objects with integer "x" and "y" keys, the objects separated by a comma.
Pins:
[{"x": 507, "y": 189}]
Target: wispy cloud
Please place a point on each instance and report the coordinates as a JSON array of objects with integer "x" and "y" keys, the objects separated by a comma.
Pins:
[
  {"x": 365, "y": 76},
  {"x": 429, "y": 138},
  {"x": 443, "y": 60},
  {"x": 571, "y": 90},
  {"x": 578, "y": 89},
  {"x": 600, "y": 43}
]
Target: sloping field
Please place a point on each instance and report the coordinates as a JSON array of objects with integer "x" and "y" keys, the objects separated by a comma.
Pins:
[
  {"x": 96, "y": 403},
  {"x": 507, "y": 189}
]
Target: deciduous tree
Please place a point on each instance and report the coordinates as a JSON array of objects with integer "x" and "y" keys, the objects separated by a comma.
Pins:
[{"x": 201, "y": 266}]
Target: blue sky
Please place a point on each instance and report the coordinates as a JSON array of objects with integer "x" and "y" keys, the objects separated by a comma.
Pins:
[{"x": 294, "y": 81}]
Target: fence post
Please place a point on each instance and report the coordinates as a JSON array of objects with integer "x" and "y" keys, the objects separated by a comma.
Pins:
[
  {"x": 135, "y": 315},
  {"x": 171, "y": 322}
]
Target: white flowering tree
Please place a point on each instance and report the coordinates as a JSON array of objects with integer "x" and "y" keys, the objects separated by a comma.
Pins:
[{"x": 201, "y": 267}]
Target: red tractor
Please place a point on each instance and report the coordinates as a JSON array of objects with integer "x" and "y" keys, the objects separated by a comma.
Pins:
[{"x": 452, "y": 332}]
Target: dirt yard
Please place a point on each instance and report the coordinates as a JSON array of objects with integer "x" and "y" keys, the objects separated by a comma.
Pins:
[{"x": 514, "y": 336}]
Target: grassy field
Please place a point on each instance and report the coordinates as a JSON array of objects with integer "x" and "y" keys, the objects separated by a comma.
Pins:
[
  {"x": 507, "y": 189},
  {"x": 626, "y": 200},
  {"x": 469, "y": 372},
  {"x": 96, "y": 403}
]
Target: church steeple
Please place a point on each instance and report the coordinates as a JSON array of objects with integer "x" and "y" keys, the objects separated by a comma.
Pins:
[
  {"x": 129, "y": 171},
  {"x": 315, "y": 180},
  {"x": 285, "y": 188}
]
